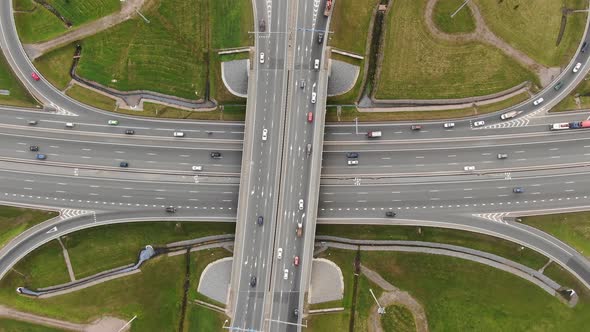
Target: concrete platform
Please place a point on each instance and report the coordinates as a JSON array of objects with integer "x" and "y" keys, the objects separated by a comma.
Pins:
[
  {"x": 342, "y": 78},
  {"x": 327, "y": 282},
  {"x": 235, "y": 76},
  {"x": 215, "y": 279}
]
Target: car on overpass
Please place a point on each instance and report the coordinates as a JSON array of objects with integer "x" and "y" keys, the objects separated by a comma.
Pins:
[
  {"x": 261, "y": 57},
  {"x": 538, "y": 101},
  {"x": 577, "y": 67},
  {"x": 35, "y": 76}
]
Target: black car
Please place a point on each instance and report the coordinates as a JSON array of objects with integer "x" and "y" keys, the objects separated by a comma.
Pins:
[
  {"x": 252, "y": 281},
  {"x": 260, "y": 220},
  {"x": 320, "y": 38},
  {"x": 518, "y": 190},
  {"x": 584, "y": 47},
  {"x": 170, "y": 209},
  {"x": 390, "y": 214},
  {"x": 124, "y": 164},
  {"x": 129, "y": 132},
  {"x": 262, "y": 25},
  {"x": 296, "y": 312},
  {"x": 352, "y": 155},
  {"x": 558, "y": 86},
  {"x": 33, "y": 148},
  {"x": 215, "y": 155}
]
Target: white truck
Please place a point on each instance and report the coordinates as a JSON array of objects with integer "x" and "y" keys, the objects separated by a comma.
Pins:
[
  {"x": 374, "y": 134},
  {"x": 559, "y": 126},
  {"x": 509, "y": 115}
]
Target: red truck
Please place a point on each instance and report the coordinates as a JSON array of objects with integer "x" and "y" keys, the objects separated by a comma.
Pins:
[
  {"x": 328, "y": 9},
  {"x": 580, "y": 124}
]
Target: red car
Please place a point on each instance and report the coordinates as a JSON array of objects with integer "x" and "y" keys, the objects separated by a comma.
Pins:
[
  {"x": 310, "y": 117},
  {"x": 35, "y": 76},
  {"x": 296, "y": 261}
]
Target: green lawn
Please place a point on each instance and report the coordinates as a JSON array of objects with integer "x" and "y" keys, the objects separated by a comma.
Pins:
[
  {"x": 43, "y": 267},
  {"x": 154, "y": 295},
  {"x": 14, "y": 221},
  {"x": 416, "y": 65},
  {"x": 533, "y": 26},
  {"x": 90, "y": 97},
  {"x": 231, "y": 20},
  {"x": 9, "y": 325},
  {"x": 19, "y": 96},
  {"x": 571, "y": 228},
  {"x": 460, "y": 295},
  {"x": 569, "y": 103},
  {"x": 166, "y": 55},
  {"x": 349, "y": 113},
  {"x": 55, "y": 65},
  {"x": 39, "y": 24},
  {"x": 477, "y": 241},
  {"x": 102, "y": 248},
  {"x": 462, "y": 22},
  {"x": 338, "y": 321},
  {"x": 199, "y": 318},
  {"x": 351, "y": 18},
  {"x": 398, "y": 318}
]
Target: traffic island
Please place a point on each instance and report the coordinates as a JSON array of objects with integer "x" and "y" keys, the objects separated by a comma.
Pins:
[
  {"x": 215, "y": 279},
  {"x": 327, "y": 282}
]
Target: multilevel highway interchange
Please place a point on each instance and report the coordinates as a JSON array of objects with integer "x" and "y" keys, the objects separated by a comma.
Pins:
[{"x": 285, "y": 168}]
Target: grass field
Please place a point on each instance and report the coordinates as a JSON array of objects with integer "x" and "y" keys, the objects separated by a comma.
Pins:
[
  {"x": 418, "y": 66},
  {"x": 231, "y": 20},
  {"x": 9, "y": 325},
  {"x": 43, "y": 267},
  {"x": 154, "y": 295},
  {"x": 398, "y": 318},
  {"x": 462, "y": 22},
  {"x": 102, "y": 248},
  {"x": 55, "y": 65},
  {"x": 533, "y": 26},
  {"x": 477, "y": 241},
  {"x": 19, "y": 96},
  {"x": 14, "y": 221},
  {"x": 460, "y": 295},
  {"x": 39, "y": 24},
  {"x": 351, "y": 18},
  {"x": 89, "y": 97},
  {"x": 166, "y": 55},
  {"x": 571, "y": 228},
  {"x": 349, "y": 113}
]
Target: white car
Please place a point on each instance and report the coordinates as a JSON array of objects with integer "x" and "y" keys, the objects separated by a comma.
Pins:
[
  {"x": 286, "y": 274},
  {"x": 197, "y": 168},
  {"x": 352, "y": 162},
  {"x": 577, "y": 67},
  {"x": 479, "y": 123},
  {"x": 449, "y": 125},
  {"x": 300, "y": 204},
  {"x": 538, "y": 101},
  {"x": 178, "y": 134},
  {"x": 261, "y": 57},
  {"x": 316, "y": 64},
  {"x": 113, "y": 122},
  {"x": 280, "y": 253},
  {"x": 313, "y": 95},
  {"x": 264, "y": 134},
  {"x": 469, "y": 168}
]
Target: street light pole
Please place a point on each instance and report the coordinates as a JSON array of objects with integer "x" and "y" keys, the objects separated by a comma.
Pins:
[{"x": 380, "y": 309}]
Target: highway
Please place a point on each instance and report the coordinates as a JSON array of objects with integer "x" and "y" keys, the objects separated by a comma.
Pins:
[
  {"x": 418, "y": 174},
  {"x": 261, "y": 164}
]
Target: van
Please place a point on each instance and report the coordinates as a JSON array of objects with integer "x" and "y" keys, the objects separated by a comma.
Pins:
[
  {"x": 374, "y": 134},
  {"x": 178, "y": 134},
  {"x": 69, "y": 125}
]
